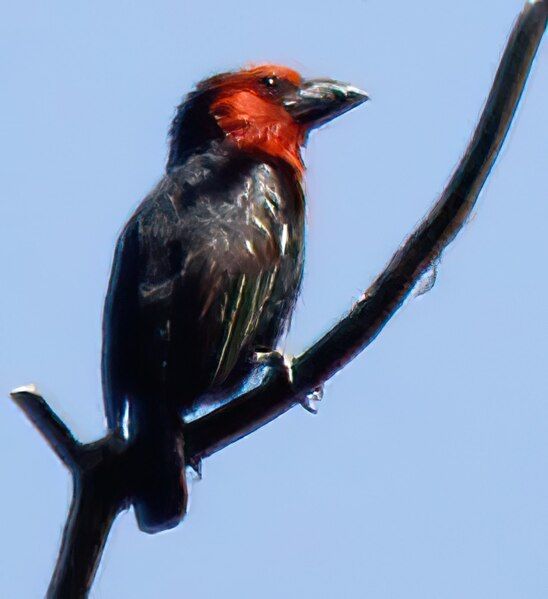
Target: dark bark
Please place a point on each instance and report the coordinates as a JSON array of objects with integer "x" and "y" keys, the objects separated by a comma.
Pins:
[
  {"x": 106, "y": 473},
  {"x": 97, "y": 499}
]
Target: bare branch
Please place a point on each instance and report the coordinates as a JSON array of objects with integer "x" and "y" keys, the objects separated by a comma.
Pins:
[
  {"x": 242, "y": 416},
  {"x": 88, "y": 525},
  {"x": 54, "y": 431},
  {"x": 379, "y": 303},
  {"x": 387, "y": 293}
]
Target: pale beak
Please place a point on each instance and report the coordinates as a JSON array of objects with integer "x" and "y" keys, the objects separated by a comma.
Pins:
[{"x": 317, "y": 101}]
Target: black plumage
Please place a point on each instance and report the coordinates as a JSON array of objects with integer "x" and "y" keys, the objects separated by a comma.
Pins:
[
  {"x": 205, "y": 274},
  {"x": 207, "y": 270}
]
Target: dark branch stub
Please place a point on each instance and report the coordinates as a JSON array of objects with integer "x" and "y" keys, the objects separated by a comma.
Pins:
[
  {"x": 55, "y": 432},
  {"x": 103, "y": 478},
  {"x": 106, "y": 472}
]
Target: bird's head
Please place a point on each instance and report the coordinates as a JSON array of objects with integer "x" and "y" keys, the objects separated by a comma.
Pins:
[{"x": 267, "y": 109}]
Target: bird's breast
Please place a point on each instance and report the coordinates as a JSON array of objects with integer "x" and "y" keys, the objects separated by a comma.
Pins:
[{"x": 249, "y": 225}]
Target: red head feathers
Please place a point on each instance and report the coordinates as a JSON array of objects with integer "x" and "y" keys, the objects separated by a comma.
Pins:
[
  {"x": 249, "y": 111},
  {"x": 268, "y": 110}
]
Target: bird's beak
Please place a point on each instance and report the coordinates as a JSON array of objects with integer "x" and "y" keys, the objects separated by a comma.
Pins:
[{"x": 317, "y": 101}]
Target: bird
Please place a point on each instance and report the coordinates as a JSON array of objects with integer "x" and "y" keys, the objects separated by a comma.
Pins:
[{"x": 207, "y": 270}]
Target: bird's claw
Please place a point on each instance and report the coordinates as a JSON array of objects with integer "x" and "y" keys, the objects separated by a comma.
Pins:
[
  {"x": 278, "y": 364},
  {"x": 195, "y": 466},
  {"x": 282, "y": 365},
  {"x": 311, "y": 400}
]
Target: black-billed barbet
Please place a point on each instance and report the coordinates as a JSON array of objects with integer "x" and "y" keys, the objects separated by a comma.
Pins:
[{"x": 207, "y": 270}]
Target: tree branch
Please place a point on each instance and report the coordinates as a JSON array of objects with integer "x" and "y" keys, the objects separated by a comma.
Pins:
[
  {"x": 102, "y": 488},
  {"x": 107, "y": 473},
  {"x": 54, "y": 431}
]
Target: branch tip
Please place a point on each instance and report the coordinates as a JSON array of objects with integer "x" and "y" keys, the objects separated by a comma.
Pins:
[
  {"x": 52, "y": 428},
  {"x": 30, "y": 389}
]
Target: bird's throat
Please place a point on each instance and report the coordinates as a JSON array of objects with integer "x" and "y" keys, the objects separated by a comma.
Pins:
[{"x": 257, "y": 126}]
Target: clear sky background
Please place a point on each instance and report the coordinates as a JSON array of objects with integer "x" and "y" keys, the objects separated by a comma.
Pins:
[{"x": 425, "y": 473}]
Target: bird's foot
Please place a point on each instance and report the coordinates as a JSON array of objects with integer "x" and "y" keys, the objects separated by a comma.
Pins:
[
  {"x": 278, "y": 364},
  {"x": 282, "y": 365}
]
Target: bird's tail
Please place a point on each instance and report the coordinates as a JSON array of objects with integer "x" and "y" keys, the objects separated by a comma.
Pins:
[{"x": 161, "y": 499}]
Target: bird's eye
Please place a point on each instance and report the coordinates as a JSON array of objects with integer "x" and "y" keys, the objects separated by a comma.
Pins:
[{"x": 271, "y": 81}]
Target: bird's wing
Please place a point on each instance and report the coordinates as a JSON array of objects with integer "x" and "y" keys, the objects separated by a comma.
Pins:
[
  {"x": 231, "y": 264},
  {"x": 239, "y": 307},
  {"x": 119, "y": 332}
]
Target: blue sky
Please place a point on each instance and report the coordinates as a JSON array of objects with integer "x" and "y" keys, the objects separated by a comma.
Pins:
[{"x": 424, "y": 473}]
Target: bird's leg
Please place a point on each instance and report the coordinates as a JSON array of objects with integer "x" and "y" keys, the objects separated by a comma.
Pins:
[{"x": 280, "y": 364}]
